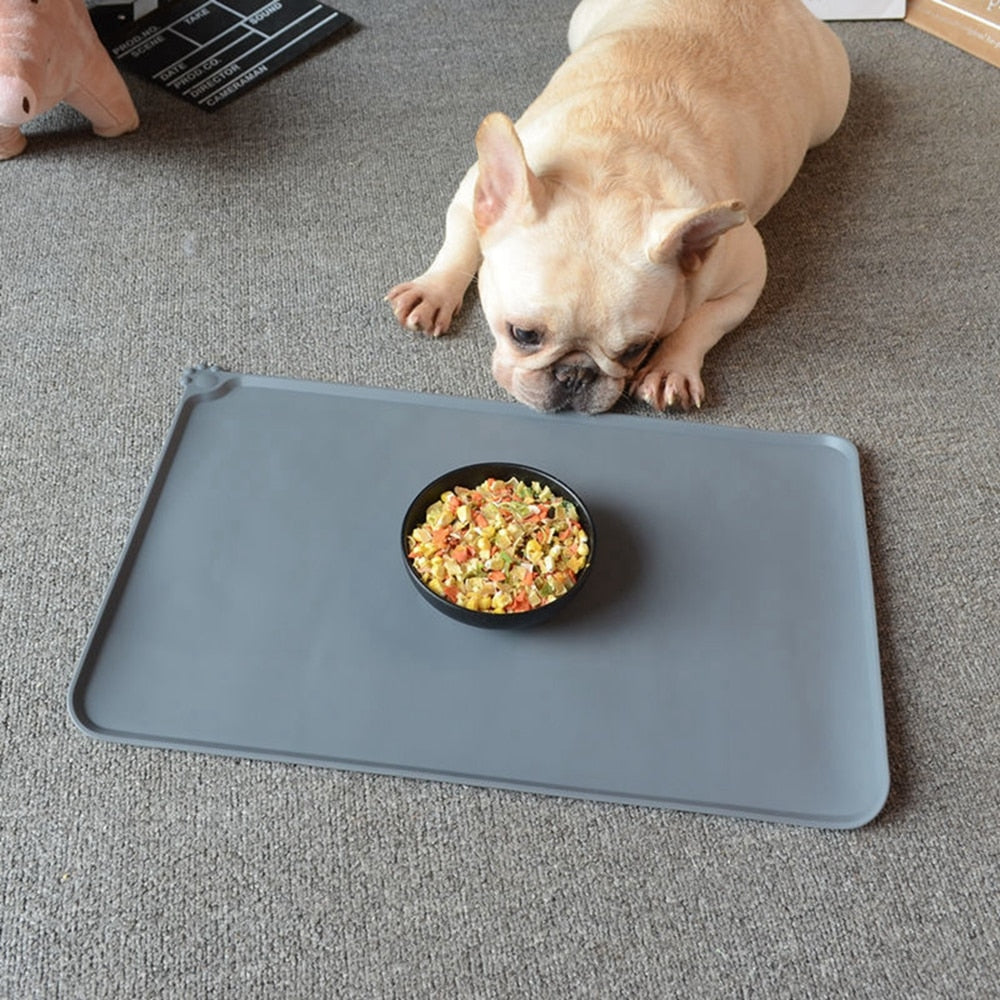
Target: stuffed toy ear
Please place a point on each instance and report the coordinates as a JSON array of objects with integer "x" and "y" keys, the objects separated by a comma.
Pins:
[
  {"x": 506, "y": 186},
  {"x": 687, "y": 235}
]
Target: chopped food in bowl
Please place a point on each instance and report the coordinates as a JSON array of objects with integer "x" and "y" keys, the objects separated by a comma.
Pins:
[{"x": 493, "y": 542}]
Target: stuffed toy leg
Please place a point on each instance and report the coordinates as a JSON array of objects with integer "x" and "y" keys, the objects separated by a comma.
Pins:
[{"x": 50, "y": 52}]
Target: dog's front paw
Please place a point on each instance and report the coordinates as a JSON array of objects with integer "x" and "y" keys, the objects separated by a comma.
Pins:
[
  {"x": 666, "y": 389},
  {"x": 428, "y": 303}
]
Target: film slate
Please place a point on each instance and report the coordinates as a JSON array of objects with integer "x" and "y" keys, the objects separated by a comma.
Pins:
[{"x": 209, "y": 52}]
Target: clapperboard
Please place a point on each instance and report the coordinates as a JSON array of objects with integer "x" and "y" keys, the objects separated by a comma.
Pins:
[{"x": 209, "y": 52}]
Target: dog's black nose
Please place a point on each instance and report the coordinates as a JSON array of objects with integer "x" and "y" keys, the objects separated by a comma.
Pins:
[{"x": 575, "y": 376}]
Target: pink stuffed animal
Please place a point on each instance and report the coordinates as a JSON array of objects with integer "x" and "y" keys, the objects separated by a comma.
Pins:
[{"x": 50, "y": 52}]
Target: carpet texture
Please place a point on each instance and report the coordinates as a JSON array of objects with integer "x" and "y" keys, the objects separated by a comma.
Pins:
[{"x": 263, "y": 238}]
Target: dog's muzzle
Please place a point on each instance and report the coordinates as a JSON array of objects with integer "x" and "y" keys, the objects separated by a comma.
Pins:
[
  {"x": 575, "y": 374},
  {"x": 575, "y": 382}
]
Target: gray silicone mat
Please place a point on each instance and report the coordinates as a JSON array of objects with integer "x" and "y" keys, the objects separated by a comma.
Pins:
[{"x": 723, "y": 657}]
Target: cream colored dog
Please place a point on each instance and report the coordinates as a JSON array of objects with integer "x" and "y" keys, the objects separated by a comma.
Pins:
[{"x": 613, "y": 229}]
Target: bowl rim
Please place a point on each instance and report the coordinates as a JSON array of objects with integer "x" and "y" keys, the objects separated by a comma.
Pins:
[{"x": 499, "y": 469}]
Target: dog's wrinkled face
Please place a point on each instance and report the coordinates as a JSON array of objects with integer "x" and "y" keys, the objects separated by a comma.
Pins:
[
  {"x": 578, "y": 290},
  {"x": 573, "y": 314}
]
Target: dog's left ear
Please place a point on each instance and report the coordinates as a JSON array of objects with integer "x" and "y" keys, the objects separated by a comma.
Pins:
[
  {"x": 687, "y": 235},
  {"x": 506, "y": 186}
]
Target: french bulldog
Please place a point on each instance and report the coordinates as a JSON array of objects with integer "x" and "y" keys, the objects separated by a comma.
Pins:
[{"x": 613, "y": 228}]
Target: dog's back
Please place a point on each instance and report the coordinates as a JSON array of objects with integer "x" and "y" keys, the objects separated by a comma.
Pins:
[{"x": 731, "y": 92}]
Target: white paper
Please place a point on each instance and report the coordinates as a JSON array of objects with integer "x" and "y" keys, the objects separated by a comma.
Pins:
[{"x": 857, "y": 10}]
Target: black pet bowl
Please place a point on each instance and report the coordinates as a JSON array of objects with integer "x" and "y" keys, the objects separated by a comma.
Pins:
[{"x": 471, "y": 476}]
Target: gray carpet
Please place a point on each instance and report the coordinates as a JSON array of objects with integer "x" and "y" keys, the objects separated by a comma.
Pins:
[{"x": 263, "y": 238}]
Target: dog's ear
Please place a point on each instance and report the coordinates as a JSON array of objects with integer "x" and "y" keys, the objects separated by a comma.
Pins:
[
  {"x": 687, "y": 236},
  {"x": 506, "y": 185}
]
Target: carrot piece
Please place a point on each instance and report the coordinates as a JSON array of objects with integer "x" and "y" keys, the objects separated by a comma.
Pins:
[{"x": 520, "y": 602}]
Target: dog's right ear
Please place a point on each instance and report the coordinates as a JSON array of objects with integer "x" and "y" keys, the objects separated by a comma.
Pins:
[{"x": 506, "y": 186}]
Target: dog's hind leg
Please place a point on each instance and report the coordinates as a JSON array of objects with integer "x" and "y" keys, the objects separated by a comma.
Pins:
[{"x": 587, "y": 15}]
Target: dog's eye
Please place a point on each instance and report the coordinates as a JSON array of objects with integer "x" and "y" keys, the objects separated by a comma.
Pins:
[
  {"x": 523, "y": 337},
  {"x": 634, "y": 352}
]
